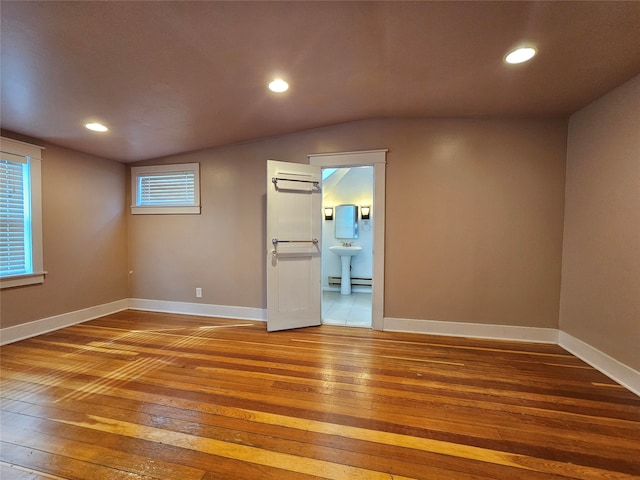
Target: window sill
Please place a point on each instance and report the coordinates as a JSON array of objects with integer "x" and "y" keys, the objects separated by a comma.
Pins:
[
  {"x": 190, "y": 210},
  {"x": 22, "y": 280}
]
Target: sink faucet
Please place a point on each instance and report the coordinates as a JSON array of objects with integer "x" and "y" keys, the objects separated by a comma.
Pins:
[{"x": 346, "y": 244}]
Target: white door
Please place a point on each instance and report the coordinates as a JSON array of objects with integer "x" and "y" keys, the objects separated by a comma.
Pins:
[{"x": 294, "y": 202}]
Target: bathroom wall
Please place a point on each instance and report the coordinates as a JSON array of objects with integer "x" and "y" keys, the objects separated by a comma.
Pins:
[
  {"x": 473, "y": 231},
  {"x": 600, "y": 301},
  {"x": 84, "y": 237},
  {"x": 348, "y": 186}
]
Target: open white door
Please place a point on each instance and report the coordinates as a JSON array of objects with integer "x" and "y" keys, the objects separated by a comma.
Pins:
[{"x": 294, "y": 203}]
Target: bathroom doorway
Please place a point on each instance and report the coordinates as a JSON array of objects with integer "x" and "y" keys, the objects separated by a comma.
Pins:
[
  {"x": 347, "y": 245},
  {"x": 364, "y": 306}
]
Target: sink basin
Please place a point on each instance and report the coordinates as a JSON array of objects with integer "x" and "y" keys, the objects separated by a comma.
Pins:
[
  {"x": 345, "y": 251},
  {"x": 345, "y": 254}
]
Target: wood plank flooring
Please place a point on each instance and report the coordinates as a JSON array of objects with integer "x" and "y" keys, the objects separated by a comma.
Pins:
[{"x": 139, "y": 395}]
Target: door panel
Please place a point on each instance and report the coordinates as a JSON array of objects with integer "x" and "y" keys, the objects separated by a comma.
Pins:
[
  {"x": 293, "y": 245},
  {"x": 295, "y": 297}
]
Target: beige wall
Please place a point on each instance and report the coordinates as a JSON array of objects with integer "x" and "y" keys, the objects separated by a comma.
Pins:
[
  {"x": 84, "y": 238},
  {"x": 474, "y": 220},
  {"x": 600, "y": 300}
]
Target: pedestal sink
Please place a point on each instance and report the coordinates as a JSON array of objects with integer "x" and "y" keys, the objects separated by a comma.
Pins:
[{"x": 345, "y": 253}]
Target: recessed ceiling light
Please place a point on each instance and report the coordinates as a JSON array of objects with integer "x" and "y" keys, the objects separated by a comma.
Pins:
[
  {"x": 520, "y": 55},
  {"x": 278, "y": 86},
  {"x": 96, "y": 127}
]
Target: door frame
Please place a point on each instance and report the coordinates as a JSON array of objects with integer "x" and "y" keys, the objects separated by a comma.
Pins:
[{"x": 378, "y": 160}]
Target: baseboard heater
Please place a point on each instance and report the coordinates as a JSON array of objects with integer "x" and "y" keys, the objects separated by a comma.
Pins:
[{"x": 354, "y": 281}]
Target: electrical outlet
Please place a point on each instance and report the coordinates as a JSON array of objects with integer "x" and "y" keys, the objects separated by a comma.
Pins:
[{"x": 198, "y": 292}]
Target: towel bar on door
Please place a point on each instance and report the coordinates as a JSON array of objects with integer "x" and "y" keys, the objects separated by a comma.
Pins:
[
  {"x": 275, "y": 241},
  {"x": 275, "y": 181}
]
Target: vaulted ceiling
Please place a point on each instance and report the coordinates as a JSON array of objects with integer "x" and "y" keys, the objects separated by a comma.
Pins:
[{"x": 177, "y": 76}]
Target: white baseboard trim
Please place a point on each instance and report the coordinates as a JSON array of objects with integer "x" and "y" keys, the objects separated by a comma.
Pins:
[
  {"x": 612, "y": 368},
  {"x": 472, "y": 330},
  {"x": 49, "y": 324},
  {"x": 203, "y": 309}
]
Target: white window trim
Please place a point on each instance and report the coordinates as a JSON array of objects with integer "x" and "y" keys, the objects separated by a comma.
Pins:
[
  {"x": 34, "y": 153},
  {"x": 168, "y": 210}
]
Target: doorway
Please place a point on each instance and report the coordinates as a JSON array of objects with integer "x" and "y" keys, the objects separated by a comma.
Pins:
[
  {"x": 377, "y": 160},
  {"x": 347, "y": 245}
]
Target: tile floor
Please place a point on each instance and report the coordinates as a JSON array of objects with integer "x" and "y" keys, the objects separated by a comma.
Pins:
[{"x": 351, "y": 310}]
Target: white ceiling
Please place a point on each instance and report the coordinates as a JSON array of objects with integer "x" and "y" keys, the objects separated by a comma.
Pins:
[{"x": 171, "y": 77}]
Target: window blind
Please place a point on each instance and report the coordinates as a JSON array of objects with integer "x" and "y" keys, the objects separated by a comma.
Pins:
[
  {"x": 15, "y": 217},
  {"x": 166, "y": 189}
]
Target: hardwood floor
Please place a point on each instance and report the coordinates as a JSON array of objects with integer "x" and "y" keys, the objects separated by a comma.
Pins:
[{"x": 139, "y": 395}]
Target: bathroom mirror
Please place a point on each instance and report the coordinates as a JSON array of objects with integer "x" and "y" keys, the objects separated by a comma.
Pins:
[{"x": 346, "y": 218}]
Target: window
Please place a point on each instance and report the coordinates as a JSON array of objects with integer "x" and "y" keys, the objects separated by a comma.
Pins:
[
  {"x": 20, "y": 214},
  {"x": 166, "y": 189}
]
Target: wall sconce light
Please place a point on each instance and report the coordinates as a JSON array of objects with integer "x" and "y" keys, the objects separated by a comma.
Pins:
[
  {"x": 328, "y": 213},
  {"x": 365, "y": 212}
]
